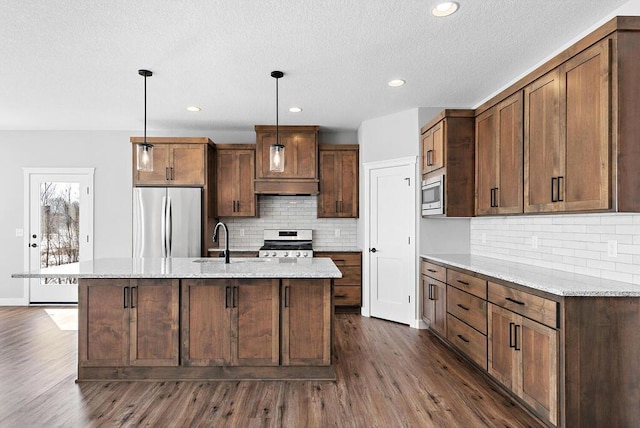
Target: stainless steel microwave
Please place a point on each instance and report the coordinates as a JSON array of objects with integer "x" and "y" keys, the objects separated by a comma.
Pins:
[{"x": 433, "y": 196}]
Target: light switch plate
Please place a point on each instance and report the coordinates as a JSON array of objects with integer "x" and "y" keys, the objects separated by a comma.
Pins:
[
  {"x": 19, "y": 232},
  {"x": 534, "y": 242},
  {"x": 612, "y": 248}
]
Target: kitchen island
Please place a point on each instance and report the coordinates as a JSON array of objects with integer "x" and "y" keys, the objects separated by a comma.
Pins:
[{"x": 202, "y": 319}]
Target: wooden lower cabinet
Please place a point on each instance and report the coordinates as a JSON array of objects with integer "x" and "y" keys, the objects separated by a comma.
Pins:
[
  {"x": 123, "y": 322},
  {"x": 347, "y": 291},
  {"x": 230, "y": 322},
  {"x": 434, "y": 304},
  {"x": 523, "y": 356},
  {"x": 306, "y": 322}
]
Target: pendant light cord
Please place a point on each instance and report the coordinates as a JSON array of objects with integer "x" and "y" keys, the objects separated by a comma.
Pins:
[
  {"x": 145, "y": 111},
  {"x": 277, "y": 137}
]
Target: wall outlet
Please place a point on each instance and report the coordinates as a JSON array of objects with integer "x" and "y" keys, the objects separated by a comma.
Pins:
[
  {"x": 612, "y": 248},
  {"x": 19, "y": 232},
  {"x": 483, "y": 238},
  {"x": 534, "y": 242},
  {"x": 337, "y": 232}
]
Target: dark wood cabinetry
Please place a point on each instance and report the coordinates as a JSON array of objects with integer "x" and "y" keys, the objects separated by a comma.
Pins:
[
  {"x": 339, "y": 175},
  {"x": 347, "y": 291},
  {"x": 130, "y": 323},
  {"x": 306, "y": 322},
  {"x": 235, "y": 173},
  {"x": 230, "y": 322},
  {"x": 448, "y": 148},
  {"x": 434, "y": 297},
  {"x": 567, "y": 139},
  {"x": 499, "y": 152},
  {"x": 176, "y": 162},
  {"x": 300, "y": 175}
]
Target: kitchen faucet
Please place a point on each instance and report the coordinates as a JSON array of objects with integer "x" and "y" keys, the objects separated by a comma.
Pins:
[{"x": 226, "y": 239}]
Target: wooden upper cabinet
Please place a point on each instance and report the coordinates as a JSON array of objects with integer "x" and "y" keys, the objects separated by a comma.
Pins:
[
  {"x": 433, "y": 148},
  {"x": 567, "y": 140},
  {"x": 338, "y": 195},
  {"x": 235, "y": 171},
  {"x": 448, "y": 149},
  {"x": 300, "y": 175},
  {"x": 176, "y": 162},
  {"x": 499, "y": 151}
]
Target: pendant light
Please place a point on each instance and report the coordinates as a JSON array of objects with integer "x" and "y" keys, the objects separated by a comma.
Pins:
[
  {"x": 145, "y": 150},
  {"x": 276, "y": 151}
]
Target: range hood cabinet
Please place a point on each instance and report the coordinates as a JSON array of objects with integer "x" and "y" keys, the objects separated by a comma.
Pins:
[{"x": 300, "y": 175}]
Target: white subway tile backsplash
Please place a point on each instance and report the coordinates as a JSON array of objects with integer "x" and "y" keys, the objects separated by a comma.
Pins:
[
  {"x": 294, "y": 212},
  {"x": 574, "y": 243}
]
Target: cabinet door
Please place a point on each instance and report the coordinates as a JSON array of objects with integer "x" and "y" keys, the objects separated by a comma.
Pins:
[
  {"x": 500, "y": 344},
  {"x": 539, "y": 364},
  {"x": 425, "y": 155},
  {"x": 508, "y": 194},
  {"x": 226, "y": 183},
  {"x": 187, "y": 164},
  {"x": 103, "y": 333},
  {"x": 306, "y": 322},
  {"x": 329, "y": 184},
  {"x": 434, "y": 307},
  {"x": 154, "y": 322},
  {"x": 433, "y": 148},
  {"x": 206, "y": 322},
  {"x": 348, "y": 171},
  {"x": 245, "y": 196},
  {"x": 544, "y": 147},
  {"x": 300, "y": 154},
  {"x": 486, "y": 156},
  {"x": 161, "y": 172},
  {"x": 256, "y": 339},
  {"x": 586, "y": 184}
]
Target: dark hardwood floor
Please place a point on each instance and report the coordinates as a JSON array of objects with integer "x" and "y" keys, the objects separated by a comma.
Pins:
[{"x": 389, "y": 375}]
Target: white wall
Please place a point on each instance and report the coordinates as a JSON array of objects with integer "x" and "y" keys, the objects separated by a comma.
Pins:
[{"x": 108, "y": 152}]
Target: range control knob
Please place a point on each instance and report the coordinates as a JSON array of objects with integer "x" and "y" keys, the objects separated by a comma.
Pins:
[
  {"x": 273, "y": 254},
  {"x": 286, "y": 254},
  {"x": 305, "y": 254},
  {"x": 265, "y": 254},
  {"x": 298, "y": 254}
]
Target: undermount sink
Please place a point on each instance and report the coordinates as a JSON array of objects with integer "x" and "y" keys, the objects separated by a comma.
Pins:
[{"x": 233, "y": 260}]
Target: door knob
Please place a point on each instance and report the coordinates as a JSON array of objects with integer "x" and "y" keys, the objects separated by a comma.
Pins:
[
  {"x": 372, "y": 250},
  {"x": 34, "y": 245}
]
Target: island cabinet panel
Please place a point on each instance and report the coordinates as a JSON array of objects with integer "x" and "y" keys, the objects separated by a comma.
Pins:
[
  {"x": 306, "y": 322},
  {"x": 230, "y": 322},
  {"x": 126, "y": 322}
]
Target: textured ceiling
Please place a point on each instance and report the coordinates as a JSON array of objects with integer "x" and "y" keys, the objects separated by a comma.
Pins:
[{"x": 72, "y": 64}]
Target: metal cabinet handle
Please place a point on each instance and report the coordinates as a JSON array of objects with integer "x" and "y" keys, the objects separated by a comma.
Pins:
[
  {"x": 431, "y": 270},
  {"x": 462, "y": 282},
  {"x": 133, "y": 297},
  {"x": 226, "y": 297},
  {"x": 286, "y": 296},
  {"x": 553, "y": 188},
  {"x": 511, "y": 344},
  {"x": 517, "y": 302},
  {"x": 463, "y": 307},
  {"x": 515, "y": 337},
  {"x": 167, "y": 174},
  {"x": 235, "y": 297},
  {"x": 560, "y": 198},
  {"x": 126, "y": 297},
  {"x": 462, "y": 338},
  {"x": 339, "y": 296}
]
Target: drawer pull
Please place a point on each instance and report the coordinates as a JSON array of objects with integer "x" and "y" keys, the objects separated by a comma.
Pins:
[
  {"x": 463, "y": 339},
  {"x": 463, "y": 307},
  {"x": 340, "y": 296},
  {"x": 517, "y": 302},
  {"x": 463, "y": 282},
  {"x": 432, "y": 270}
]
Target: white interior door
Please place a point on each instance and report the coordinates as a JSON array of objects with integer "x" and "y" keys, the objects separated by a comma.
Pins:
[
  {"x": 390, "y": 242},
  {"x": 59, "y": 226}
]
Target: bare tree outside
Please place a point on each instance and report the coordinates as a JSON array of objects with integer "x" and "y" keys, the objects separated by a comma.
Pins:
[{"x": 60, "y": 227}]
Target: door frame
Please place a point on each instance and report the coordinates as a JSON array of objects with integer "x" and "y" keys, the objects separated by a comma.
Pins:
[
  {"x": 369, "y": 167},
  {"x": 28, "y": 172}
]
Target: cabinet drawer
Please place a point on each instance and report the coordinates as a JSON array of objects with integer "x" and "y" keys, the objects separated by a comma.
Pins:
[
  {"x": 346, "y": 296},
  {"x": 471, "y": 342},
  {"x": 341, "y": 259},
  {"x": 468, "y": 283},
  {"x": 351, "y": 275},
  {"x": 434, "y": 271},
  {"x": 531, "y": 306},
  {"x": 468, "y": 308}
]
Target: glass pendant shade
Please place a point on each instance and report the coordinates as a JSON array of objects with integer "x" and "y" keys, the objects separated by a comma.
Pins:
[
  {"x": 145, "y": 158},
  {"x": 276, "y": 158}
]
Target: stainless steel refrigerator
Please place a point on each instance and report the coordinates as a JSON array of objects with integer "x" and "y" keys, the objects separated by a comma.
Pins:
[{"x": 167, "y": 221}]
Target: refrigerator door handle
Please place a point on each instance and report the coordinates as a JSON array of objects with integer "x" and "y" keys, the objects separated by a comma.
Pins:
[
  {"x": 163, "y": 227},
  {"x": 169, "y": 228}
]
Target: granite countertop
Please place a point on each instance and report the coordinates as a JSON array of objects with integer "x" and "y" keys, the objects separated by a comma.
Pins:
[
  {"x": 552, "y": 281},
  {"x": 192, "y": 268}
]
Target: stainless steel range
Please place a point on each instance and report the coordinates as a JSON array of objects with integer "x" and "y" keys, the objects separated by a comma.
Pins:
[{"x": 287, "y": 243}]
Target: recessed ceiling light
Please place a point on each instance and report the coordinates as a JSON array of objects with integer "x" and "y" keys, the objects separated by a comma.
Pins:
[
  {"x": 445, "y": 9},
  {"x": 193, "y": 108},
  {"x": 295, "y": 109},
  {"x": 396, "y": 82}
]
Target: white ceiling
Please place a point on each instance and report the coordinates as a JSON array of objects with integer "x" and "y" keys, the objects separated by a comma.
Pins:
[{"x": 72, "y": 64}]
